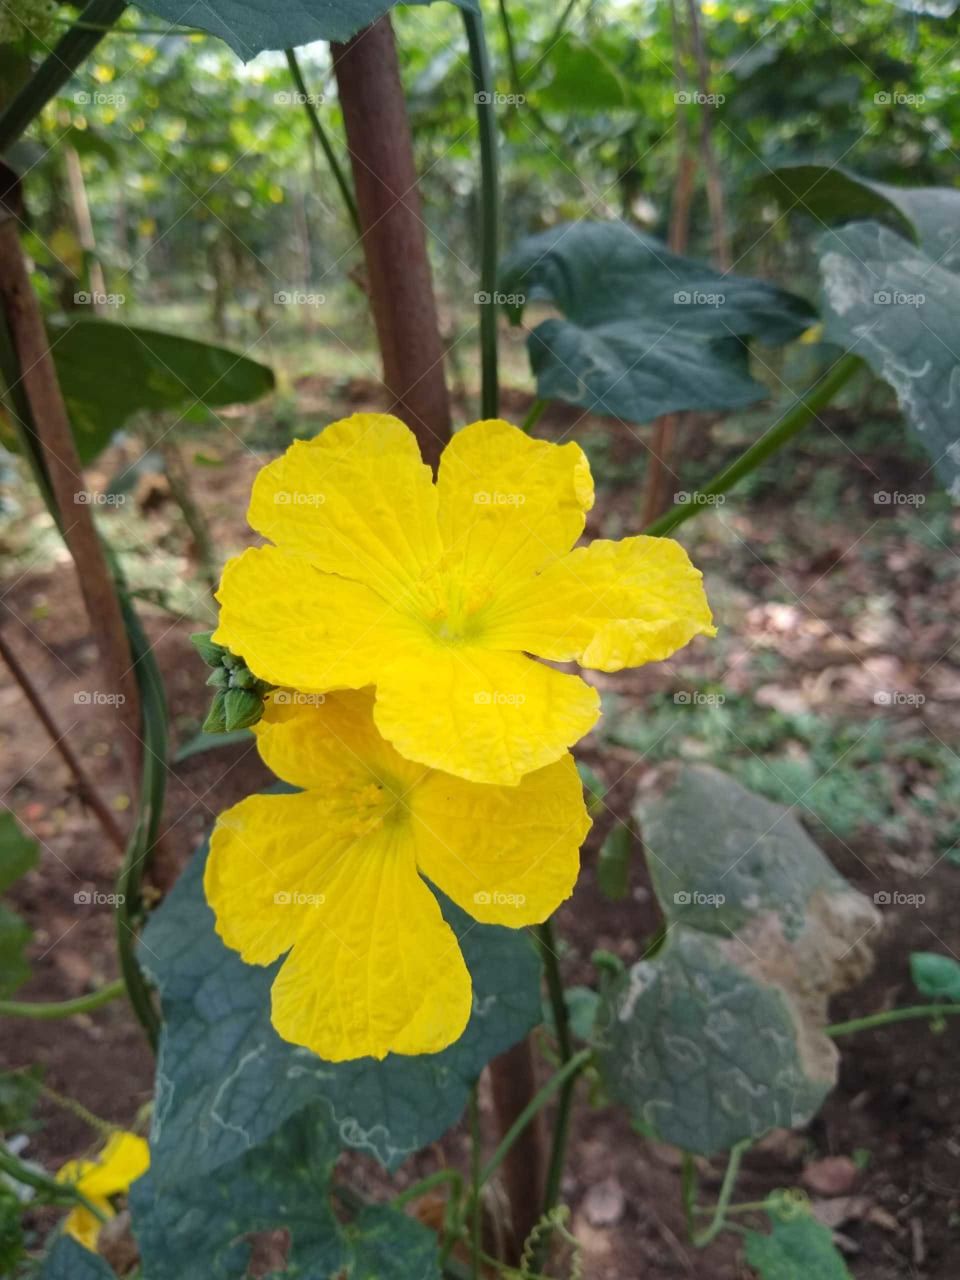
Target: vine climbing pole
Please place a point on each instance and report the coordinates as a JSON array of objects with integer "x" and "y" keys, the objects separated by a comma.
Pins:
[{"x": 393, "y": 233}]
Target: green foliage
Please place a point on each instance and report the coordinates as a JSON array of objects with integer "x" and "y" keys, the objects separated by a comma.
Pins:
[
  {"x": 899, "y": 309},
  {"x": 250, "y": 26},
  {"x": 19, "y": 1092},
  {"x": 935, "y": 975},
  {"x": 798, "y": 1248},
  {"x": 108, "y": 372},
  {"x": 613, "y": 864},
  {"x": 644, "y": 331},
  {"x": 18, "y": 854},
  {"x": 226, "y": 1082},
  {"x": 68, "y": 1260},
  {"x": 732, "y": 1004}
]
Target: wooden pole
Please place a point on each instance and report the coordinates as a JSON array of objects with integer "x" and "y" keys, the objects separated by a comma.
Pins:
[{"x": 393, "y": 233}]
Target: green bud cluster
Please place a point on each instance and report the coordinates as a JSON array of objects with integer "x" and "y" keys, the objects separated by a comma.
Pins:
[{"x": 238, "y": 701}]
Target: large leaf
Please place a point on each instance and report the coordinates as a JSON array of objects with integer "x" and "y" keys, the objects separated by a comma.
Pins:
[
  {"x": 109, "y": 371},
  {"x": 833, "y": 195},
  {"x": 581, "y": 79},
  {"x": 719, "y": 1035},
  {"x": 249, "y": 26},
  {"x": 226, "y": 1081},
  {"x": 68, "y": 1260},
  {"x": 798, "y": 1248},
  {"x": 889, "y": 302},
  {"x": 644, "y": 331}
]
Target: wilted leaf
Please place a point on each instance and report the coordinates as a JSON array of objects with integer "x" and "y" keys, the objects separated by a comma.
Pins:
[
  {"x": 889, "y": 302},
  {"x": 718, "y": 1036},
  {"x": 644, "y": 331},
  {"x": 226, "y": 1081}
]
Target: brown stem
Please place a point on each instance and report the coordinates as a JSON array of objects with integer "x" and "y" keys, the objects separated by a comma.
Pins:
[
  {"x": 86, "y": 789},
  {"x": 394, "y": 233},
  {"x": 49, "y": 415},
  {"x": 513, "y": 1082},
  {"x": 722, "y": 256}
]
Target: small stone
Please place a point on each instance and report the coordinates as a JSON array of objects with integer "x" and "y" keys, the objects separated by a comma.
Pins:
[
  {"x": 832, "y": 1176},
  {"x": 604, "y": 1203}
]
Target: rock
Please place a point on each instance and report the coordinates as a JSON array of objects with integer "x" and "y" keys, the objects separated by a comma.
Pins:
[
  {"x": 832, "y": 1176},
  {"x": 604, "y": 1203}
]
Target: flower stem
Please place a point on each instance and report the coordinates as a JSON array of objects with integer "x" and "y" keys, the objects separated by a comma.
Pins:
[
  {"x": 892, "y": 1015},
  {"x": 476, "y": 1155},
  {"x": 539, "y": 1100},
  {"x": 548, "y": 950},
  {"x": 339, "y": 177},
  {"x": 802, "y": 411},
  {"x": 57, "y": 1192},
  {"x": 489, "y": 207},
  {"x": 710, "y": 1232},
  {"x": 50, "y": 1009},
  {"x": 426, "y": 1184},
  {"x": 533, "y": 415}
]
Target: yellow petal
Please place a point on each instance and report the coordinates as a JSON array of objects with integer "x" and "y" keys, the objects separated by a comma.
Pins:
[
  {"x": 384, "y": 974},
  {"x": 507, "y": 855},
  {"x": 271, "y": 860},
  {"x": 484, "y": 716},
  {"x": 81, "y": 1224},
  {"x": 124, "y": 1159},
  {"x": 607, "y": 605},
  {"x": 358, "y": 500},
  {"x": 296, "y": 626},
  {"x": 509, "y": 504},
  {"x": 329, "y": 741}
]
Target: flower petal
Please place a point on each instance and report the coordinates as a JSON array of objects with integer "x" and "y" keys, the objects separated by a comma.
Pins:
[
  {"x": 507, "y": 855},
  {"x": 124, "y": 1159},
  {"x": 329, "y": 741},
  {"x": 83, "y": 1226},
  {"x": 509, "y": 504},
  {"x": 484, "y": 716},
  {"x": 296, "y": 626},
  {"x": 385, "y": 975},
  {"x": 608, "y": 605},
  {"x": 271, "y": 861},
  {"x": 358, "y": 500}
]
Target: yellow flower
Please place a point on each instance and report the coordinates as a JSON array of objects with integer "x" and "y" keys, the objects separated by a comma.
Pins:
[
  {"x": 333, "y": 875},
  {"x": 436, "y": 593},
  {"x": 122, "y": 1161}
]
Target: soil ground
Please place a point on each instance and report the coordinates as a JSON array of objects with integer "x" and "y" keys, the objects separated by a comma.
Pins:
[{"x": 825, "y": 597}]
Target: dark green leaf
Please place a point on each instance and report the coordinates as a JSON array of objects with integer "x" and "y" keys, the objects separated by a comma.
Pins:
[
  {"x": 799, "y": 1248},
  {"x": 14, "y": 937},
  {"x": 18, "y": 852},
  {"x": 109, "y": 372},
  {"x": 935, "y": 975},
  {"x": 19, "y": 1093},
  {"x": 226, "y": 1081},
  {"x": 68, "y": 1260},
  {"x": 581, "y": 80},
  {"x": 889, "y": 302},
  {"x": 390, "y": 1246},
  {"x": 644, "y": 331},
  {"x": 249, "y": 26},
  {"x": 202, "y": 742},
  {"x": 718, "y": 1035},
  {"x": 613, "y": 865}
]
